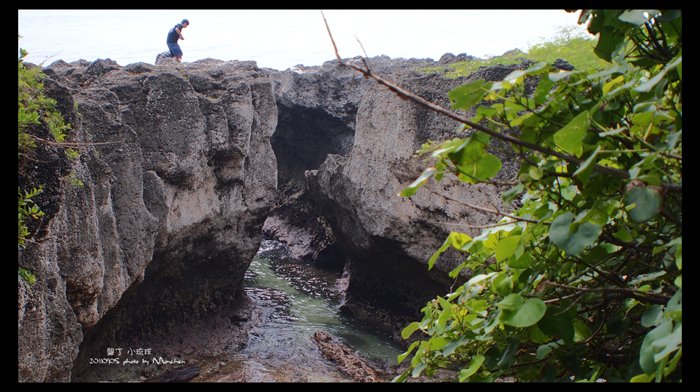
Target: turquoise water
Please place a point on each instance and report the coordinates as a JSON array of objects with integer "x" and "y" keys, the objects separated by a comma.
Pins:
[{"x": 293, "y": 300}]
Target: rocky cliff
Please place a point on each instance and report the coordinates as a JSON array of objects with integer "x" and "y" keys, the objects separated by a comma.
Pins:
[
  {"x": 385, "y": 240},
  {"x": 158, "y": 219},
  {"x": 148, "y": 234},
  {"x": 317, "y": 117}
]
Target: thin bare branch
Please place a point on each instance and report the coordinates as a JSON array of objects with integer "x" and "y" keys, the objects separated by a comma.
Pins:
[
  {"x": 337, "y": 55},
  {"x": 478, "y": 226},
  {"x": 361, "y": 47},
  {"x": 554, "y": 300},
  {"x": 485, "y": 209},
  {"x": 73, "y": 144},
  {"x": 640, "y": 295}
]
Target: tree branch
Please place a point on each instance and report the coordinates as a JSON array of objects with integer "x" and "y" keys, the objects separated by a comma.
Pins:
[
  {"x": 495, "y": 211},
  {"x": 405, "y": 94},
  {"x": 640, "y": 295},
  {"x": 73, "y": 144}
]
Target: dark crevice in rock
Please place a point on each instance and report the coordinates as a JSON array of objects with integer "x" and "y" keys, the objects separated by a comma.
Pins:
[{"x": 303, "y": 138}]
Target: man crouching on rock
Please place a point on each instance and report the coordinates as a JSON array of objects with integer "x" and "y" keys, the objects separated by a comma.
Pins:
[{"x": 175, "y": 34}]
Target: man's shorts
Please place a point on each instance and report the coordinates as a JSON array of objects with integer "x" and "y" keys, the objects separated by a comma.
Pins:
[{"x": 175, "y": 49}]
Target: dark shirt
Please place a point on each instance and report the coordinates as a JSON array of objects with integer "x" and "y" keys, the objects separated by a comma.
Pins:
[{"x": 172, "y": 34}]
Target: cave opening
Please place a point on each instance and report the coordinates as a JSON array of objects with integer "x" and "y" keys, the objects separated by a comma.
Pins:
[{"x": 303, "y": 139}]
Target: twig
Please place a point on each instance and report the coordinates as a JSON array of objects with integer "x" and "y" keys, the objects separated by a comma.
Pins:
[
  {"x": 479, "y": 226},
  {"x": 337, "y": 55},
  {"x": 597, "y": 331},
  {"x": 485, "y": 209},
  {"x": 553, "y": 300},
  {"x": 580, "y": 295},
  {"x": 73, "y": 144},
  {"x": 648, "y": 297},
  {"x": 492, "y": 182},
  {"x": 362, "y": 47}
]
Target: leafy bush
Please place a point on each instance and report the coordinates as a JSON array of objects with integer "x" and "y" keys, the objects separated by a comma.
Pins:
[
  {"x": 34, "y": 108},
  {"x": 35, "y": 111},
  {"x": 583, "y": 280},
  {"x": 26, "y": 208}
]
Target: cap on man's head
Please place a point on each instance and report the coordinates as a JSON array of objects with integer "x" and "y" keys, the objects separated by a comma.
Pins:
[{"x": 185, "y": 21}]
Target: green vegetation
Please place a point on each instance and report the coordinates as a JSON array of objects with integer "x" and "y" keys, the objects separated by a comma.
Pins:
[
  {"x": 583, "y": 280},
  {"x": 26, "y": 208},
  {"x": 576, "y": 50},
  {"x": 34, "y": 108},
  {"x": 75, "y": 181},
  {"x": 35, "y": 111},
  {"x": 72, "y": 154},
  {"x": 27, "y": 276}
]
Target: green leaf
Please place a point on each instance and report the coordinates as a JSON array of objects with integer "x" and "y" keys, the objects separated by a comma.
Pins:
[
  {"x": 570, "y": 138},
  {"x": 536, "y": 335},
  {"x": 608, "y": 42},
  {"x": 410, "y": 329},
  {"x": 556, "y": 323},
  {"x": 609, "y": 85},
  {"x": 571, "y": 236},
  {"x": 503, "y": 284},
  {"x": 648, "y": 349},
  {"x": 642, "y": 378},
  {"x": 535, "y": 172},
  {"x": 413, "y": 188},
  {"x": 668, "y": 344},
  {"x": 648, "y": 85},
  {"x": 623, "y": 234},
  {"x": 647, "y": 203},
  {"x": 636, "y": 17},
  {"x": 445, "y": 316},
  {"x": 438, "y": 342},
  {"x": 453, "y": 346},
  {"x": 443, "y": 248},
  {"x": 474, "y": 366},
  {"x": 511, "y": 302},
  {"x": 526, "y": 315},
  {"x": 508, "y": 356},
  {"x": 674, "y": 362},
  {"x": 477, "y": 168},
  {"x": 588, "y": 161},
  {"x": 513, "y": 76},
  {"x": 418, "y": 370},
  {"x": 537, "y": 68},
  {"x": 408, "y": 352},
  {"x": 468, "y": 95},
  {"x": 521, "y": 262},
  {"x": 557, "y": 76},
  {"x": 506, "y": 247},
  {"x": 459, "y": 240},
  {"x": 545, "y": 349},
  {"x": 652, "y": 316},
  {"x": 542, "y": 90},
  {"x": 509, "y": 195},
  {"x": 676, "y": 302},
  {"x": 581, "y": 331}
]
